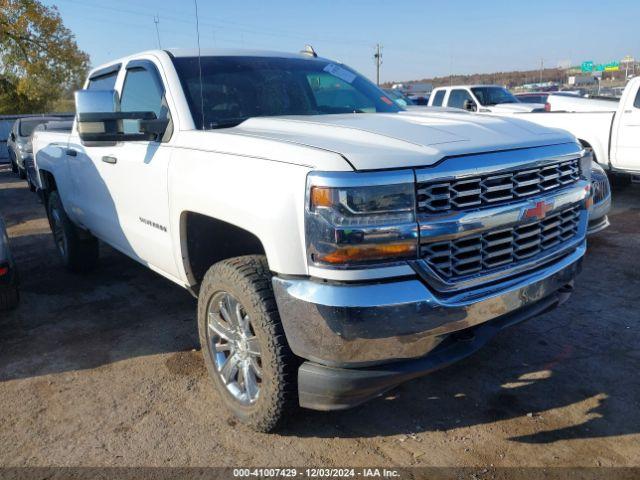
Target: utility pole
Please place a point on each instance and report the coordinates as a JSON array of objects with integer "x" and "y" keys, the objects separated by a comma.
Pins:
[
  {"x": 377, "y": 57},
  {"x": 156, "y": 20},
  {"x": 541, "y": 68}
]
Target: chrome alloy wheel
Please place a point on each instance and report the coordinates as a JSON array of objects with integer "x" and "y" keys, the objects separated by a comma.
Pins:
[
  {"x": 58, "y": 231},
  {"x": 234, "y": 347}
]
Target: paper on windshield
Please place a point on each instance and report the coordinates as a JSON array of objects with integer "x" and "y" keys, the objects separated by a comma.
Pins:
[{"x": 341, "y": 73}]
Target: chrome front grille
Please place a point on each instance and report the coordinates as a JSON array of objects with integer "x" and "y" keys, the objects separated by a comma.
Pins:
[
  {"x": 499, "y": 248},
  {"x": 440, "y": 196}
]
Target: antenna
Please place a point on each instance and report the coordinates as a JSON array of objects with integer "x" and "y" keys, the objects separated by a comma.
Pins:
[
  {"x": 199, "y": 63},
  {"x": 156, "y": 20}
]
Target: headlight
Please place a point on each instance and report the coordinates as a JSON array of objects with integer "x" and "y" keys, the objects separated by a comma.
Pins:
[{"x": 360, "y": 219}]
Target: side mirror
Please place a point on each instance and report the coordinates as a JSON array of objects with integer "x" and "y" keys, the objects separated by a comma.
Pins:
[
  {"x": 100, "y": 121},
  {"x": 470, "y": 105}
]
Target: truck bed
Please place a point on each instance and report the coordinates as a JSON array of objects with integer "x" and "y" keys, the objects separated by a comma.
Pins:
[{"x": 566, "y": 103}]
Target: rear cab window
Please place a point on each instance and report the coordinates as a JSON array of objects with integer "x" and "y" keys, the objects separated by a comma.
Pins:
[
  {"x": 104, "y": 82},
  {"x": 438, "y": 98}
]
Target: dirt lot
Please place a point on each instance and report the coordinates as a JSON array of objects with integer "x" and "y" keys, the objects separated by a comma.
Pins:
[{"x": 103, "y": 370}]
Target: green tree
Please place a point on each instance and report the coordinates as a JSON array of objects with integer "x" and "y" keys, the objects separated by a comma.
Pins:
[{"x": 40, "y": 62}]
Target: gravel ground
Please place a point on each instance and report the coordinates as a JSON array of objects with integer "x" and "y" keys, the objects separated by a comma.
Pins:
[{"x": 104, "y": 370}]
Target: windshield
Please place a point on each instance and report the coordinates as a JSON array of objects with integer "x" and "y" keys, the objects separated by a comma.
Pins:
[
  {"x": 488, "y": 96},
  {"x": 28, "y": 126},
  {"x": 237, "y": 88}
]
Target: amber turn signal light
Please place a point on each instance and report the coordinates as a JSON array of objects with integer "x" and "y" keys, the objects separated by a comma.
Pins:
[{"x": 369, "y": 252}]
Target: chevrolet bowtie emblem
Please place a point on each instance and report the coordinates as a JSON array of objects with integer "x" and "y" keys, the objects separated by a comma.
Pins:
[{"x": 539, "y": 211}]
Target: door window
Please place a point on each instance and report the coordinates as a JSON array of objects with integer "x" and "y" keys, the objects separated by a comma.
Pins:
[
  {"x": 457, "y": 98},
  {"x": 438, "y": 98},
  {"x": 142, "y": 92},
  {"x": 637, "y": 101}
]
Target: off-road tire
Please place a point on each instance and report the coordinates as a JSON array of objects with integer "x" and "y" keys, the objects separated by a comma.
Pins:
[
  {"x": 80, "y": 249},
  {"x": 9, "y": 298},
  {"x": 248, "y": 279}
]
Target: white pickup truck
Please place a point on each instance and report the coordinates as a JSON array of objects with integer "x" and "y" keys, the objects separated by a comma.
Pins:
[
  {"x": 610, "y": 128},
  {"x": 481, "y": 99},
  {"x": 338, "y": 246}
]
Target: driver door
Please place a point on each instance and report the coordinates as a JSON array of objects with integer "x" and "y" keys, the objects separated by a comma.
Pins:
[{"x": 138, "y": 174}]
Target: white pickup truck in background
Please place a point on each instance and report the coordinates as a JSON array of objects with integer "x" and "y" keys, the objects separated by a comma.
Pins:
[
  {"x": 338, "y": 245},
  {"x": 610, "y": 128},
  {"x": 481, "y": 99}
]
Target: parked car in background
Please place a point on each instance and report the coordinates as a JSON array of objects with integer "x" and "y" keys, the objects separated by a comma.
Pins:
[
  {"x": 481, "y": 99},
  {"x": 399, "y": 97},
  {"x": 19, "y": 141},
  {"x": 598, "y": 219},
  {"x": 9, "y": 294},
  {"x": 338, "y": 245},
  {"x": 533, "y": 97},
  {"x": 611, "y": 128},
  {"x": 6, "y": 123},
  {"x": 421, "y": 100}
]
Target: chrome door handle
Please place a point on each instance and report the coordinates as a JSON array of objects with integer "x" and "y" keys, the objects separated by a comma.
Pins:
[{"x": 111, "y": 160}]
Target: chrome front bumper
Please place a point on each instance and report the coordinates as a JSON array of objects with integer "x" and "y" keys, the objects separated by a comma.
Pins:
[
  {"x": 356, "y": 325},
  {"x": 598, "y": 219}
]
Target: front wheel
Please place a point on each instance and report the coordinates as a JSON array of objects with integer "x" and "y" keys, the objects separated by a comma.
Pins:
[
  {"x": 78, "y": 249},
  {"x": 243, "y": 343}
]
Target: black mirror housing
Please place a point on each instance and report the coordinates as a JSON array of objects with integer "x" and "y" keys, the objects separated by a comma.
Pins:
[{"x": 470, "y": 106}]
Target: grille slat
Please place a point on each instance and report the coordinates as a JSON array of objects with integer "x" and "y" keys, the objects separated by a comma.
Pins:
[
  {"x": 600, "y": 186},
  {"x": 480, "y": 254},
  {"x": 494, "y": 189}
]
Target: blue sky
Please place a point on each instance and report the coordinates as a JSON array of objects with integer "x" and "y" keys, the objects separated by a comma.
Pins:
[{"x": 421, "y": 38}]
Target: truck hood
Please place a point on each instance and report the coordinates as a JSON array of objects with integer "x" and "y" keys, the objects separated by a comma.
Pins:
[
  {"x": 516, "y": 107},
  {"x": 408, "y": 139}
]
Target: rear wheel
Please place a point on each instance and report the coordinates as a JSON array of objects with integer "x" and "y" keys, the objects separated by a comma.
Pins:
[
  {"x": 243, "y": 343},
  {"x": 78, "y": 249}
]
